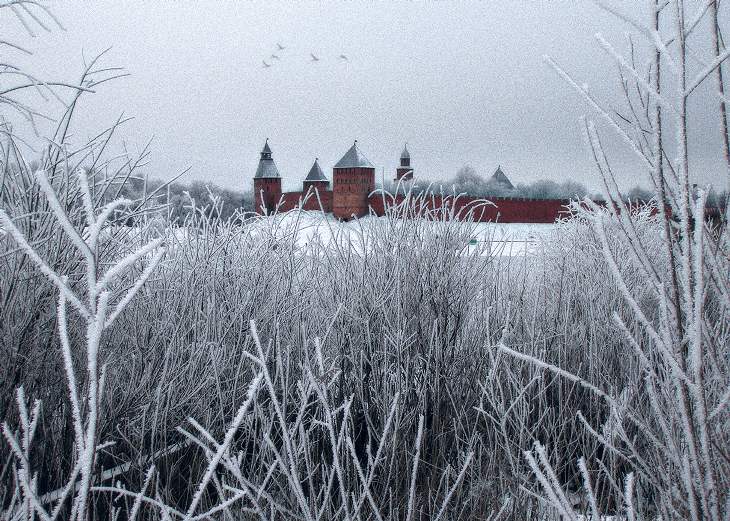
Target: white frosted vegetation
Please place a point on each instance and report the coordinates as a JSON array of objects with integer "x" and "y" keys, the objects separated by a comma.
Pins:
[
  {"x": 381, "y": 393},
  {"x": 295, "y": 367}
]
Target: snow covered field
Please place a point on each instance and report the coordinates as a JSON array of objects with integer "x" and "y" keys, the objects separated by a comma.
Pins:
[
  {"x": 509, "y": 240},
  {"x": 384, "y": 331}
]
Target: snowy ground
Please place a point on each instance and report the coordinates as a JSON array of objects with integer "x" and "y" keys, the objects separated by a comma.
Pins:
[{"x": 513, "y": 239}]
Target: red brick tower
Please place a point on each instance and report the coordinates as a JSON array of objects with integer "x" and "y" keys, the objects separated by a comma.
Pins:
[
  {"x": 404, "y": 171},
  {"x": 354, "y": 178},
  {"x": 266, "y": 183}
]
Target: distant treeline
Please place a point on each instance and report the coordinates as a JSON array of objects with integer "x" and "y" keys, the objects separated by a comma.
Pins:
[
  {"x": 468, "y": 181},
  {"x": 178, "y": 198}
]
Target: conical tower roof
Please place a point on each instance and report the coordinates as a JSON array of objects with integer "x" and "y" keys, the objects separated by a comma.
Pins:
[
  {"x": 405, "y": 154},
  {"x": 267, "y": 168},
  {"x": 353, "y": 158},
  {"x": 499, "y": 177},
  {"x": 315, "y": 173}
]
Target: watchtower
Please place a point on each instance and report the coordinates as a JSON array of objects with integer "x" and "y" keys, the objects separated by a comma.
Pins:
[
  {"x": 353, "y": 178},
  {"x": 266, "y": 183}
]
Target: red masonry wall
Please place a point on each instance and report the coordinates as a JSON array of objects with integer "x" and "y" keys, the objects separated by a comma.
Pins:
[
  {"x": 403, "y": 173},
  {"x": 325, "y": 199},
  {"x": 322, "y": 186},
  {"x": 266, "y": 191},
  {"x": 351, "y": 187},
  {"x": 507, "y": 210},
  {"x": 504, "y": 210},
  {"x": 291, "y": 201},
  {"x": 528, "y": 210}
]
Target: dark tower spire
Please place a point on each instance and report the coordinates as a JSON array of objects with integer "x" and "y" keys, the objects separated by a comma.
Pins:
[
  {"x": 405, "y": 156},
  {"x": 315, "y": 178},
  {"x": 404, "y": 171},
  {"x": 267, "y": 168},
  {"x": 266, "y": 151}
]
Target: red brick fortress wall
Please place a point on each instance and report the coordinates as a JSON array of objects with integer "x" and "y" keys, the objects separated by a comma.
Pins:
[
  {"x": 505, "y": 210},
  {"x": 518, "y": 210},
  {"x": 292, "y": 200}
]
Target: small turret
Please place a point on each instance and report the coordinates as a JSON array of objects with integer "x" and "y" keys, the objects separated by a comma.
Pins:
[
  {"x": 405, "y": 156},
  {"x": 315, "y": 178},
  {"x": 404, "y": 171}
]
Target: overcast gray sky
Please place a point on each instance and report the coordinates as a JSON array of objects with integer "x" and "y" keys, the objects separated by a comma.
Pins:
[{"x": 462, "y": 82}]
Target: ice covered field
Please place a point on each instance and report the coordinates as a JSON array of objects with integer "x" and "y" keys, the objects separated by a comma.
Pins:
[{"x": 509, "y": 239}]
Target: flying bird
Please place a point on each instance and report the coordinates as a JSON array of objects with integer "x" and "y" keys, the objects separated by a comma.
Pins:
[
  {"x": 314, "y": 58},
  {"x": 266, "y": 65},
  {"x": 275, "y": 57},
  {"x": 344, "y": 58},
  {"x": 280, "y": 47}
]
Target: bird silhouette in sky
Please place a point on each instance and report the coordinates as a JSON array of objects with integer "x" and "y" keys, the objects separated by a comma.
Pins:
[
  {"x": 275, "y": 57},
  {"x": 280, "y": 47},
  {"x": 266, "y": 65},
  {"x": 344, "y": 58},
  {"x": 314, "y": 58}
]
